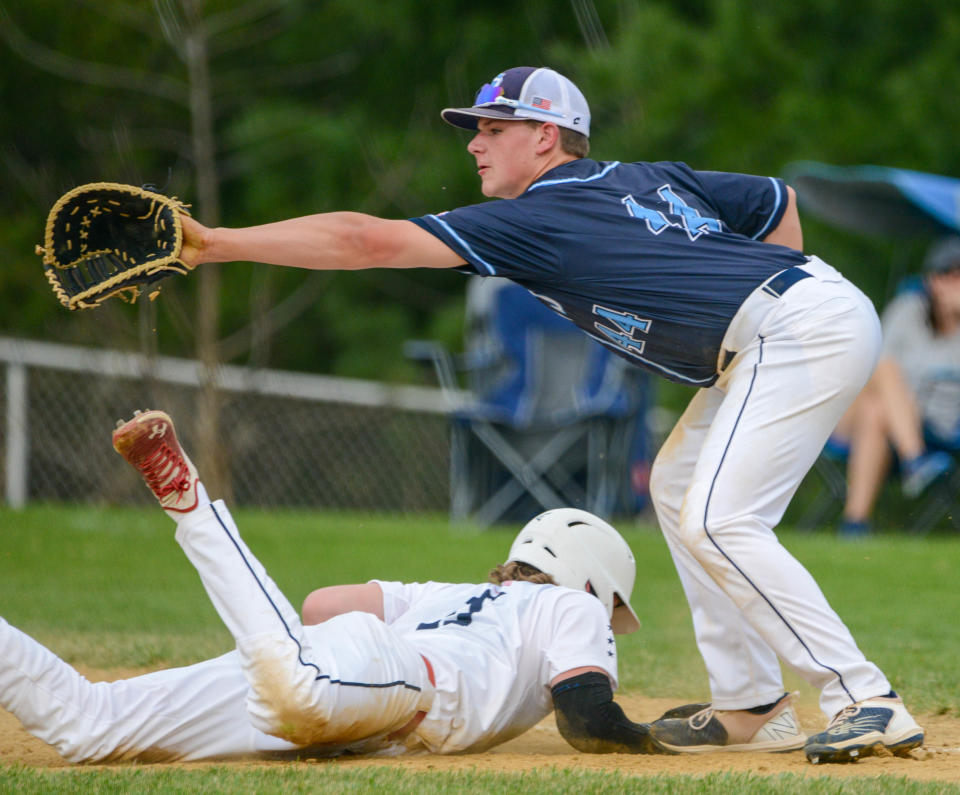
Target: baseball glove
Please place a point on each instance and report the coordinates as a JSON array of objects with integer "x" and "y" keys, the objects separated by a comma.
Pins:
[{"x": 105, "y": 239}]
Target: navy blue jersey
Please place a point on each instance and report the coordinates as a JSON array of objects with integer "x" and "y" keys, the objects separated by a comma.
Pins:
[{"x": 651, "y": 259}]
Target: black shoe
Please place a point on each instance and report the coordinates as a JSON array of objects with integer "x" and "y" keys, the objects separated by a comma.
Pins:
[
  {"x": 776, "y": 729},
  {"x": 684, "y": 711}
]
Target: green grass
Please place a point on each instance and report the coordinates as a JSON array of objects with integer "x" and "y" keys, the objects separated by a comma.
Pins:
[
  {"x": 109, "y": 587},
  {"x": 329, "y": 780}
]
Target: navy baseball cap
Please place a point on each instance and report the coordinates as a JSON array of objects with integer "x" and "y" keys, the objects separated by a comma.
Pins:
[
  {"x": 526, "y": 92},
  {"x": 943, "y": 256}
]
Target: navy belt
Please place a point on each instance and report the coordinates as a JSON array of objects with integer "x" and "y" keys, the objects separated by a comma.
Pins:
[
  {"x": 784, "y": 280},
  {"x": 776, "y": 287}
]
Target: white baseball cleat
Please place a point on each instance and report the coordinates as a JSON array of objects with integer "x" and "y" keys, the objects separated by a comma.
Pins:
[
  {"x": 776, "y": 728},
  {"x": 149, "y": 444},
  {"x": 863, "y": 729}
]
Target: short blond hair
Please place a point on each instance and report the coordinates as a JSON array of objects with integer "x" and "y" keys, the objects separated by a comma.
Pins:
[{"x": 519, "y": 572}]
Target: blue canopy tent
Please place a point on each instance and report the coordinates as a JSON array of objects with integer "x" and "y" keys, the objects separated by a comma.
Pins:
[
  {"x": 877, "y": 200},
  {"x": 895, "y": 204}
]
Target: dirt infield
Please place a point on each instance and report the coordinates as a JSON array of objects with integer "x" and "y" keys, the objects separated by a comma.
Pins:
[{"x": 542, "y": 747}]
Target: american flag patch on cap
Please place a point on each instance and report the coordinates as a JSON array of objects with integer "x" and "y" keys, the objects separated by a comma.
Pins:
[{"x": 540, "y": 102}]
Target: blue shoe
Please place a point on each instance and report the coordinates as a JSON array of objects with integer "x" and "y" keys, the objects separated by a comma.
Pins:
[
  {"x": 855, "y": 528},
  {"x": 863, "y": 729},
  {"x": 836, "y": 449},
  {"x": 920, "y": 473}
]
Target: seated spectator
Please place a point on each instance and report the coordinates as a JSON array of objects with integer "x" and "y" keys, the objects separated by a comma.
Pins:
[{"x": 909, "y": 411}]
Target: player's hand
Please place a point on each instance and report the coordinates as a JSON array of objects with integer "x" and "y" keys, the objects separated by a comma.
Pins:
[{"x": 194, "y": 241}]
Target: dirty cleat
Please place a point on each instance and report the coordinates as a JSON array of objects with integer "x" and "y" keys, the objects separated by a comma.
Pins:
[
  {"x": 684, "y": 711},
  {"x": 863, "y": 729},
  {"x": 711, "y": 730},
  {"x": 149, "y": 444}
]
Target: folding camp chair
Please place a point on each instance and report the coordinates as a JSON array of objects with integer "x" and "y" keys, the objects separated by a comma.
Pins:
[
  {"x": 541, "y": 415},
  {"x": 829, "y": 479},
  {"x": 941, "y": 501}
]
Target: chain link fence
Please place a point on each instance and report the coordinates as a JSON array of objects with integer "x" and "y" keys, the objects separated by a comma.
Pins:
[{"x": 288, "y": 439}]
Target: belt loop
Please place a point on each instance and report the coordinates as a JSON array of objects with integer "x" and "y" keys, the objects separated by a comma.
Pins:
[{"x": 725, "y": 358}]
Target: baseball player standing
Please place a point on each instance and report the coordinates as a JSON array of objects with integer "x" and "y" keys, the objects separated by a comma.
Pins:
[
  {"x": 383, "y": 667},
  {"x": 698, "y": 276}
]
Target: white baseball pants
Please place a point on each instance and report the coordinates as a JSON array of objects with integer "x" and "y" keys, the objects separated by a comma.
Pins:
[
  {"x": 727, "y": 472},
  {"x": 348, "y": 680}
]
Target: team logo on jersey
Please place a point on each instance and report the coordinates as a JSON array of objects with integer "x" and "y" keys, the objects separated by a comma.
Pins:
[
  {"x": 657, "y": 221},
  {"x": 464, "y": 618},
  {"x": 625, "y": 330}
]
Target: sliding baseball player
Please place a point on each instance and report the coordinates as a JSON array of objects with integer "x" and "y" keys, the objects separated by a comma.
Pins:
[{"x": 382, "y": 667}]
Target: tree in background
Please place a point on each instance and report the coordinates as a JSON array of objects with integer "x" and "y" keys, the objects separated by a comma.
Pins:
[
  {"x": 753, "y": 86},
  {"x": 321, "y": 106},
  {"x": 307, "y": 107},
  {"x": 162, "y": 96}
]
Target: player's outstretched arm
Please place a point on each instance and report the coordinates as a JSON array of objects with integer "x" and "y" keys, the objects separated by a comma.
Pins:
[
  {"x": 327, "y": 241},
  {"x": 591, "y": 721},
  {"x": 325, "y": 603}
]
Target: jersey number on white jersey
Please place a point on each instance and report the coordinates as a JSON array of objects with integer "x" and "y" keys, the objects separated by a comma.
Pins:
[{"x": 474, "y": 605}]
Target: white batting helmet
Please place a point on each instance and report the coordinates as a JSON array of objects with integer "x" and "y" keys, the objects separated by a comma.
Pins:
[{"x": 581, "y": 551}]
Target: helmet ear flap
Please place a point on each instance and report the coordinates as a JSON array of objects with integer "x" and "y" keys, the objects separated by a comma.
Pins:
[{"x": 582, "y": 551}]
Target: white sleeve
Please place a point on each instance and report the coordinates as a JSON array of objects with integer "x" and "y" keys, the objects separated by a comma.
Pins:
[
  {"x": 399, "y": 597},
  {"x": 580, "y": 635}
]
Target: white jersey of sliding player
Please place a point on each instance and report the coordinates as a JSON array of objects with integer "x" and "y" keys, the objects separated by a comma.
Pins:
[{"x": 494, "y": 650}]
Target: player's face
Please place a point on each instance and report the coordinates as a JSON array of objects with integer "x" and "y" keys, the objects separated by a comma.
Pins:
[{"x": 506, "y": 153}]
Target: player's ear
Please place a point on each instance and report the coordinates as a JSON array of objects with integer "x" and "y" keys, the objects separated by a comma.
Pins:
[{"x": 548, "y": 138}]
